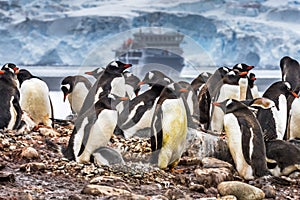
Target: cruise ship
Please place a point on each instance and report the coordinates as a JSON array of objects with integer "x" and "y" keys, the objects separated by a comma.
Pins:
[{"x": 153, "y": 50}]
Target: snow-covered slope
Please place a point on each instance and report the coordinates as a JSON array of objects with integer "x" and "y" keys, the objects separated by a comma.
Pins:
[{"x": 67, "y": 32}]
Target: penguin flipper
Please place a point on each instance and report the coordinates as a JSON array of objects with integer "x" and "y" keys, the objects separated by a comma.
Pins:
[
  {"x": 19, "y": 112},
  {"x": 52, "y": 112},
  {"x": 246, "y": 136},
  {"x": 267, "y": 123},
  {"x": 156, "y": 138}
]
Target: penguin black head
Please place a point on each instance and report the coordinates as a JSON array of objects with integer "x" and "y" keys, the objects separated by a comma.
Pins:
[
  {"x": 155, "y": 77},
  {"x": 132, "y": 80},
  {"x": 242, "y": 67},
  {"x": 173, "y": 91},
  {"x": 230, "y": 105},
  {"x": 67, "y": 85},
  {"x": 233, "y": 77},
  {"x": 251, "y": 79},
  {"x": 10, "y": 67},
  {"x": 116, "y": 67},
  {"x": 24, "y": 75}
]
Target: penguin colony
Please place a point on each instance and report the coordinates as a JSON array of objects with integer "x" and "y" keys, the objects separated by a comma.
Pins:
[{"x": 260, "y": 130}]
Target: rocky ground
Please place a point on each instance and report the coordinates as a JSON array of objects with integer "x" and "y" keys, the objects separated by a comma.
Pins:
[{"x": 32, "y": 168}]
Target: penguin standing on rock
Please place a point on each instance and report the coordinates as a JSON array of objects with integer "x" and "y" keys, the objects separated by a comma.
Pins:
[
  {"x": 110, "y": 79},
  {"x": 10, "y": 109},
  {"x": 274, "y": 121},
  {"x": 35, "y": 99},
  {"x": 245, "y": 140},
  {"x": 93, "y": 129},
  {"x": 75, "y": 88},
  {"x": 169, "y": 127},
  {"x": 137, "y": 112}
]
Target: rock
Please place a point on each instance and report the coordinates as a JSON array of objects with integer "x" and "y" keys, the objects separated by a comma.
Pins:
[
  {"x": 269, "y": 191},
  {"x": 102, "y": 190},
  {"x": 190, "y": 161},
  {"x": 295, "y": 175},
  {"x": 74, "y": 197},
  {"x": 197, "y": 188},
  {"x": 209, "y": 162},
  {"x": 159, "y": 197},
  {"x": 228, "y": 197},
  {"x": 29, "y": 153},
  {"x": 201, "y": 144},
  {"x": 240, "y": 190},
  {"x": 34, "y": 166},
  {"x": 101, "y": 179},
  {"x": 213, "y": 176},
  {"x": 48, "y": 132},
  {"x": 7, "y": 177},
  {"x": 25, "y": 196}
]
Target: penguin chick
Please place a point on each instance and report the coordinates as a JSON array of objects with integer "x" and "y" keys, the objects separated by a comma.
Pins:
[
  {"x": 283, "y": 157},
  {"x": 244, "y": 137},
  {"x": 107, "y": 156},
  {"x": 75, "y": 88},
  {"x": 93, "y": 129},
  {"x": 169, "y": 127},
  {"x": 10, "y": 109},
  {"x": 35, "y": 99}
]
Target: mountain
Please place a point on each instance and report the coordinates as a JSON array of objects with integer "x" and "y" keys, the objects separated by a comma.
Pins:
[{"x": 220, "y": 32}]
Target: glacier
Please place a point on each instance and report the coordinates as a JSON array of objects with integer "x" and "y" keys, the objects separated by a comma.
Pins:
[{"x": 220, "y": 32}]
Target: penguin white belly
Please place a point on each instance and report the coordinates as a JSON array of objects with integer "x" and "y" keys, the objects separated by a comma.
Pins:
[
  {"x": 243, "y": 82},
  {"x": 280, "y": 117},
  {"x": 130, "y": 91},
  {"x": 226, "y": 92},
  {"x": 190, "y": 102},
  {"x": 13, "y": 115},
  {"x": 294, "y": 121},
  {"x": 35, "y": 100},
  {"x": 254, "y": 92},
  {"x": 143, "y": 123},
  {"x": 76, "y": 98},
  {"x": 234, "y": 139},
  {"x": 118, "y": 87},
  {"x": 174, "y": 127},
  {"x": 100, "y": 134}
]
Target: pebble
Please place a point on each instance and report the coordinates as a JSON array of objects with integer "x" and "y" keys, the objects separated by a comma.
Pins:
[
  {"x": 209, "y": 162},
  {"x": 29, "y": 153},
  {"x": 213, "y": 176},
  {"x": 229, "y": 197},
  {"x": 34, "y": 166},
  {"x": 240, "y": 190},
  {"x": 159, "y": 197},
  {"x": 7, "y": 177},
  {"x": 197, "y": 188},
  {"x": 269, "y": 191}
]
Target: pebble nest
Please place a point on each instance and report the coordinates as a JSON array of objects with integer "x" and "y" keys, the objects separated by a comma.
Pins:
[{"x": 45, "y": 174}]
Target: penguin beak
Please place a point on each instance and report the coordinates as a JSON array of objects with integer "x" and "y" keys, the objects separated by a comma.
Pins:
[
  {"x": 253, "y": 79},
  {"x": 141, "y": 83},
  {"x": 127, "y": 66},
  {"x": 89, "y": 73},
  {"x": 2, "y": 72},
  {"x": 294, "y": 94},
  {"x": 16, "y": 70},
  {"x": 124, "y": 98},
  {"x": 183, "y": 90},
  {"x": 65, "y": 96},
  {"x": 216, "y": 104},
  {"x": 243, "y": 73},
  {"x": 250, "y": 67}
]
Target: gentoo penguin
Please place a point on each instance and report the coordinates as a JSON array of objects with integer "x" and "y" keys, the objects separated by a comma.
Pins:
[
  {"x": 169, "y": 127},
  {"x": 244, "y": 137},
  {"x": 10, "y": 109},
  {"x": 283, "y": 157},
  {"x": 35, "y": 99},
  {"x": 206, "y": 94},
  {"x": 243, "y": 81},
  {"x": 111, "y": 79},
  {"x": 75, "y": 88},
  {"x": 137, "y": 112},
  {"x": 131, "y": 84},
  {"x": 274, "y": 121},
  {"x": 290, "y": 72},
  {"x": 107, "y": 156},
  {"x": 227, "y": 88},
  {"x": 253, "y": 86},
  {"x": 199, "y": 81},
  {"x": 192, "y": 107},
  {"x": 93, "y": 129}
]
